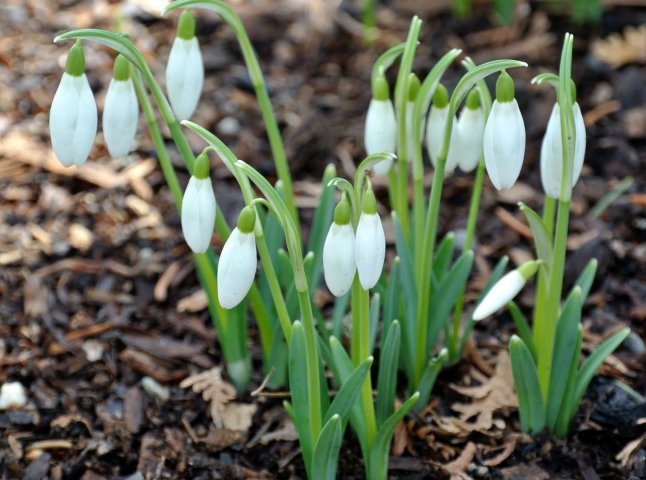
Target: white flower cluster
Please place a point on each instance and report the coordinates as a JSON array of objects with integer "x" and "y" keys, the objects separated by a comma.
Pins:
[
  {"x": 73, "y": 116},
  {"x": 346, "y": 251}
]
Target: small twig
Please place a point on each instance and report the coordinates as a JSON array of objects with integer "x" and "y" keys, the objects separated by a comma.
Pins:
[{"x": 262, "y": 386}]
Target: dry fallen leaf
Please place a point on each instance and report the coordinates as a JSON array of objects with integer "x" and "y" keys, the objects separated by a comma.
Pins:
[
  {"x": 458, "y": 467},
  {"x": 195, "y": 302},
  {"x": 626, "y": 455},
  {"x": 224, "y": 413},
  {"x": 492, "y": 395},
  {"x": 617, "y": 50},
  {"x": 285, "y": 433}
]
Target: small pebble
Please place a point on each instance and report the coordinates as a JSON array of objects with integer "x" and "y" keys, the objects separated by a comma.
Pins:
[
  {"x": 155, "y": 389},
  {"x": 12, "y": 395},
  {"x": 635, "y": 344}
]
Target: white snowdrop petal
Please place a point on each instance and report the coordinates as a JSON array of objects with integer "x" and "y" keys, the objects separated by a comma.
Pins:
[
  {"x": 184, "y": 76},
  {"x": 454, "y": 149},
  {"x": 435, "y": 131},
  {"x": 370, "y": 249},
  {"x": 198, "y": 214},
  {"x": 120, "y": 116},
  {"x": 381, "y": 132},
  {"x": 504, "y": 144},
  {"x": 339, "y": 263},
  {"x": 500, "y": 294},
  {"x": 470, "y": 126},
  {"x": 236, "y": 268},
  {"x": 579, "y": 145},
  {"x": 72, "y": 120}
]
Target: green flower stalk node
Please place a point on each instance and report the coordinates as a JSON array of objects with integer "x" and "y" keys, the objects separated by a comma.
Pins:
[
  {"x": 441, "y": 96},
  {"x": 504, "y": 87},
  {"x": 473, "y": 100},
  {"x": 75, "y": 65},
  {"x": 186, "y": 26},
  {"x": 247, "y": 220},
  {"x": 201, "y": 167},
  {"x": 121, "y": 71},
  {"x": 369, "y": 202},
  {"x": 380, "y": 88},
  {"x": 413, "y": 87},
  {"x": 342, "y": 213}
]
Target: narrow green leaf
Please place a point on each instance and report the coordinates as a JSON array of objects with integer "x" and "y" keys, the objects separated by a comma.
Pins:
[
  {"x": 443, "y": 256},
  {"x": 284, "y": 270},
  {"x": 523, "y": 328},
  {"x": 409, "y": 290},
  {"x": 566, "y": 413},
  {"x": 378, "y": 464},
  {"x": 563, "y": 356},
  {"x": 427, "y": 381},
  {"x": 528, "y": 390},
  {"x": 387, "y": 376},
  {"x": 338, "y": 313},
  {"x": 298, "y": 388},
  {"x": 594, "y": 361},
  {"x": 326, "y": 451},
  {"x": 586, "y": 278},
  {"x": 391, "y": 299},
  {"x": 375, "y": 307},
  {"x": 349, "y": 392},
  {"x": 447, "y": 293},
  {"x": 542, "y": 240}
]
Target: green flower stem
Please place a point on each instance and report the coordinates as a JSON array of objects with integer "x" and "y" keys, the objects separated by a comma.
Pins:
[
  {"x": 259, "y": 85},
  {"x": 234, "y": 350},
  {"x": 360, "y": 350},
  {"x": 474, "y": 207},
  {"x": 292, "y": 241},
  {"x": 401, "y": 96},
  {"x": 543, "y": 282}
]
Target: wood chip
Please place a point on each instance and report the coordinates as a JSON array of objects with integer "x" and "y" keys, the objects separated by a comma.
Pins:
[
  {"x": 196, "y": 302},
  {"x": 513, "y": 223}
]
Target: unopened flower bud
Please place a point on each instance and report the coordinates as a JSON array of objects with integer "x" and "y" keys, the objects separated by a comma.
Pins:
[
  {"x": 120, "y": 114},
  {"x": 435, "y": 127},
  {"x": 381, "y": 125}
]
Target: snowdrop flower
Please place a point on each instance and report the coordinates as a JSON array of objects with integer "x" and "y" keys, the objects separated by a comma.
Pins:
[
  {"x": 73, "y": 117},
  {"x": 120, "y": 113},
  {"x": 504, "y": 136},
  {"x": 238, "y": 261},
  {"x": 370, "y": 246},
  {"x": 435, "y": 126},
  {"x": 198, "y": 207},
  {"x": 552, "y": 152},
  {"x": 470, "y": 126},
  {"x": 505, "y": 289},
  {"x": 339, "y": 263},
  {"x": 381, "y": 125},
  {"x": 185, "y": 70}
]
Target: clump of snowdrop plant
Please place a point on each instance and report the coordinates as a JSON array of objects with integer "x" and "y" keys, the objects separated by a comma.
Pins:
[{"x": 412, "y": 310}]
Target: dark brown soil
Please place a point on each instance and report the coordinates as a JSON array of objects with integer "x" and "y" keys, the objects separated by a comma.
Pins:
[{"x": 82, "y": 255}]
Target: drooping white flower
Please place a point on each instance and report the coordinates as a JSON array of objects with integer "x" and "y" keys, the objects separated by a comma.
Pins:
[
  {"x": 380, "y": 134},
  {"x": 552, "y": 152},
  {"x": 370, "y": 243},
  {"x": 504, "y": 136},
  {"x": 339, "y": 264},
  {"x": 73, "y": 116},
  {"x": 470, "y": 126},
  {"x": 238, "y": 261},
  {"x": 505, "y": 289},
  {"x": 185, "y": 69},
  {"x": 198, "y": 207},
  {"x": 120, "y": 113},
  {"x": 435, "y": 127}
]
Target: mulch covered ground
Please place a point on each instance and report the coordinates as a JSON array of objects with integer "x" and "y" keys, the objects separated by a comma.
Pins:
[{"x": 101, "y": 317}]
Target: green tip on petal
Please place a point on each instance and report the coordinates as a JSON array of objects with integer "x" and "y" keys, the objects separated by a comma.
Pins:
[
  {"x": 186, "y": 26},
  {"x": 342, "y": 213},
  {"x": 473, "y": 100},
  {"x": 504, "y": 87},
  {"x": 528, "y": 269},
  {"x": 247, "y": 220},
  {"x": 573, "y": 91},
  {"x": 75, "y": 65},
  {"x": 380, "y": 88},
  {"x": 413, "y": 87},
  {"x": 121, "y": 71},
  {"x": 440, "y": 97},
  {"x": 369, "y": 202},
  {"x": 201, "y": 167}
]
